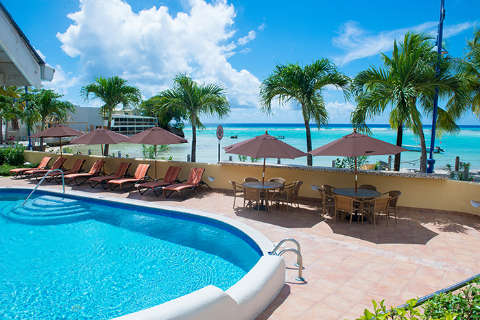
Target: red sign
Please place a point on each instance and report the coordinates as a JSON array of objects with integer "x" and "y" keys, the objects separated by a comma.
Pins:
[{"x": 219, "y": 132}]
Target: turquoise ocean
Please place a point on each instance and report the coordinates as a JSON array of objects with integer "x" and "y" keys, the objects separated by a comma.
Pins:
[{"x": 464, "y": 143}]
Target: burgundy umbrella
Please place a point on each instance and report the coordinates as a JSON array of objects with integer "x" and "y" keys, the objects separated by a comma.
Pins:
[
  {"x": 156, "y": 136},
  {"x": 59, "y": 131},
  {"x": 101, "y": 137},
  {"x": 356, "y": 145},
  {"x": 265, "y": 146}
]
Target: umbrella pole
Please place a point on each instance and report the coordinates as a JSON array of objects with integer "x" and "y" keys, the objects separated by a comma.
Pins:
[
  {"x": 61, "y": 154},
  {"x": 356, "y": 177},
  {"x": 263, "y": 172},
  {"x": 155, "y": 159},
  {"x": 101, "y": 149}
]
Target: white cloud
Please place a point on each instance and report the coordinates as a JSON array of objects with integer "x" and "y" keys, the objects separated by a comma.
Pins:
[
  {"x": 61, "y": 81},
  {"x": 262, "y": 27},
  {"x": 358, "y": 43},
  {"x": 151, "y": 46},
  {"x": 339, "y": 112},
  {"x": 249, "y": 37}
]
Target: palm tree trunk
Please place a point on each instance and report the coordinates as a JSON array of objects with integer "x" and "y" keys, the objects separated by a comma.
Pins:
[
  {"x": 423, "y": 157},
  {"x": 41, "y": 139},
  {"x": 109, "y": 126},
  {"x": 1, "y": 131},
  {"x": 396, "y": 165},
  {"x": 194, "y": 143},
  {"x": 309, "y": 141},
  {"x": 6, "y": 131}
]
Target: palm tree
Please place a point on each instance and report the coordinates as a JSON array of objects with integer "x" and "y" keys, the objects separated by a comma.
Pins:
[
  {"x": 471, "y": 68},
  {"x": 8, "y": 107},
  {"x": 304, "y": 85},
  {"x": 48, "y": 108},
  {"x": 112, "y": 91},
  {"x": 407, "y": 79},
  {"x": 193, "y": 100}
]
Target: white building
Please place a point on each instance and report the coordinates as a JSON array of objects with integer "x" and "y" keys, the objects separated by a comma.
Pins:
[
  {"x": 20, "y": 64},
  {"x": 89, "y": 118}
]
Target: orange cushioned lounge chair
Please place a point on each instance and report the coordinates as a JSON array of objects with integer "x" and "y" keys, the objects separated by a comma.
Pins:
[
  {"x": 57, "y": 164},
  {"x": 193, "y": 182},
  {"x": 121, "y": 172},
  {"x": 170, "y": 177},
  {"x": 94, "y": 171},
  {"x": 139, "y": 176},
  {"x": 77, "y": 166},
  {"x": 20, "y": 172}
]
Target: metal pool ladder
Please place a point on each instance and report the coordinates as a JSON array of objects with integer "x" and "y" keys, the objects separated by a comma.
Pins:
[
  {"x": 40, "y": 182},
  {"x": 297, "y": 251}
]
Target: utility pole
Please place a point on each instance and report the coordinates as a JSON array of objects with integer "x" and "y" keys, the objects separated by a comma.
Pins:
[{"x": 431, "y": 161}]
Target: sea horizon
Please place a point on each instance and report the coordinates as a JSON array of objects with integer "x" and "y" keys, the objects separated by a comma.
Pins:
[{"x": 462, "y": 143}]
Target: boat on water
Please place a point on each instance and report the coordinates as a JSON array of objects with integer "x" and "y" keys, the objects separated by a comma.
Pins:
[{"x": 437, "y": 149}]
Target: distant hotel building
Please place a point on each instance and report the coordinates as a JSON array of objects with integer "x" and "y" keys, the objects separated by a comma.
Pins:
[{"x": 89, "y": 118}]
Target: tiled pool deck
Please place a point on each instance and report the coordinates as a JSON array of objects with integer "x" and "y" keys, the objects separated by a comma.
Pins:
[{"x": 346, "y": 266}]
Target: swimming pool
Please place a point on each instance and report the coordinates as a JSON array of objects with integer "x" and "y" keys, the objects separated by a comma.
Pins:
[{"x": 67, "y": 256}]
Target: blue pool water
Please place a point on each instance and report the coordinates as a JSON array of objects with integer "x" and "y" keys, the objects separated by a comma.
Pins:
[{"x": 78, "y": 258}]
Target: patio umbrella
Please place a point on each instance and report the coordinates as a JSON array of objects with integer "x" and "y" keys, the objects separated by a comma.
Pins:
[
  {"x": 356, "y": 145},
  {"x": 156, "y": 136},
  {"x": 59, "y": 131},
  {"x": 265, "y": 146},
  {"x": 101, "y": 137}
]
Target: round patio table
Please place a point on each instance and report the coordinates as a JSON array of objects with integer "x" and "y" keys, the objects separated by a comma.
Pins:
[
  {"x": 361, "y": 193},
  {"x": 267, "y": 185},
  {"x": 264, "y": 186}
]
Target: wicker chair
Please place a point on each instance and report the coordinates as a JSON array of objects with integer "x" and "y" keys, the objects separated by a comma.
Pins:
[
  {"x": 251, "y": 196},
  {"x": 289, "y": 194},
  {"x": 368, "y": 187},
  {"x": 237, "y": 191},
  {"x": 328, "y": 198},
  {"x": 392, "y": 204},
  {"x": 277, "y": 180},
  {"x": 377, "y": 206},
  {"x": 343, "y": 205}
]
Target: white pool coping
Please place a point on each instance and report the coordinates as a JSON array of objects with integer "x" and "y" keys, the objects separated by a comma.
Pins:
[{"x": 244, "y": 300}]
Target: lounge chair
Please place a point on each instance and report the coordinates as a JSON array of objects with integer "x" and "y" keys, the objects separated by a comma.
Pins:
[
  {"x": 120, "y": 173},
  {"x": 57, "y": 164},
  {"x": 20, "y": 172},
  {"x": 193, "y": 182},
  {"x": 77, "y": 166},
  {"x": 169, "y": 178},
  {"x": 94, "y": 171},
  {"x": 139, "y": 176}
]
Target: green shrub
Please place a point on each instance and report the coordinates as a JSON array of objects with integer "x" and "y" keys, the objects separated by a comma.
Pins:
[
  {"x": 3, "y": 155},
  {"x": 463, "y": 304},
  {"x": 349, "y": 162},
  {"x": 14, "y": 155}
]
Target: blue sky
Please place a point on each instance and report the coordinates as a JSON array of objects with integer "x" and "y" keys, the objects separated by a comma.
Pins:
[{"x": 235, "y": 43}]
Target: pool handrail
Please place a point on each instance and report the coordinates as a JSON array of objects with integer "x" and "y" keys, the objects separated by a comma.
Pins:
[{"x": 40, "y": 182}]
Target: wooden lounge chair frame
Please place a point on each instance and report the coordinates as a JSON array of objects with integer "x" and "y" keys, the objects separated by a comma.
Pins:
[
  {"x": 95, "y": 170},
  {"x": 139, "y": 176},
  {"x": 103, "y": 180},
  {"x": 57, "y": 164},
  {"x": 77, "y": 166},
  {"x": 194, "y": 181},
  {"x": 20, "y": 172},
  {"x": 170, "y": 178}
]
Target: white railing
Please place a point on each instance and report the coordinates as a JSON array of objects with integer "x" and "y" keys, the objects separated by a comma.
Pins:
[{"x": 40, "y": 182}]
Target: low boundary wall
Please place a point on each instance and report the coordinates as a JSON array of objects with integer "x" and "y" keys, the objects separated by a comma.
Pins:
[{"x": 418, "y": 190}]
